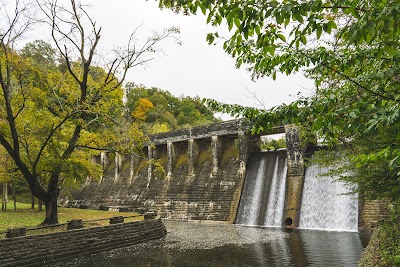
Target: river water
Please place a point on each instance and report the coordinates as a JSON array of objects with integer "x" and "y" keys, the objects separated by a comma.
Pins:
[{"x": 197, "y": 244}]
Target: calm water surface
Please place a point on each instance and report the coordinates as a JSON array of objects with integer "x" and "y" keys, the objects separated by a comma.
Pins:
[{"x": 193, "y": 244}]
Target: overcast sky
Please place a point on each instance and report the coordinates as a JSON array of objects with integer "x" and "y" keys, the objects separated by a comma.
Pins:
[{"x": 194, "y": 68}]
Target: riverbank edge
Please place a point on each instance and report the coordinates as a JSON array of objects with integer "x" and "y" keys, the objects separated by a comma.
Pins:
[
  {"x": 384, "y": 247},
  {"x": 369, "y": 257},
  {"x": 47, "y": 249}
]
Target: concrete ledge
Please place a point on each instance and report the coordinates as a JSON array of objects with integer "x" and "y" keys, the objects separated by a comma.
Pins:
[
  {"x": 196, "y": 221},
  {"x": 47, "y": 249},
  {"x": 232, "y": 127}
]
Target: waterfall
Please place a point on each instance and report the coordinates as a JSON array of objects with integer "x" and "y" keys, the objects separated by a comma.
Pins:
[
  {"x": 251, "y": 199},
  {"x": 276, "y": 199},
  {"x": 263, "y": 193},
  {"x": 323, "y": 204}
]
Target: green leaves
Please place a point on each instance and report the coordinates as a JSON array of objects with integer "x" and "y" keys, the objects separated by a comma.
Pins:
[
  {"x": 167, "y": 112},
  {"x": 390, "y": 50},
  {"x": 282, "y": 37},
  {"x": 210, "y": 38}
]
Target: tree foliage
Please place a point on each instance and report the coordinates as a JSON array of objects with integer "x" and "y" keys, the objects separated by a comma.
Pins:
[
  {"x": 350, "y": 48},
  {"x": 160, "y": 111},
  {"x": 11, "y": 178},
  {"x": 272, "y": 143},
  {"x": 142, "y": 107}
]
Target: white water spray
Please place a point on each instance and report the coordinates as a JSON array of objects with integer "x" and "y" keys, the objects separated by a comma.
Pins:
[
  {"x": 324, "y": 205},
  {"x": 276, "y": 199},
  {"x": 253, "y": 197}
]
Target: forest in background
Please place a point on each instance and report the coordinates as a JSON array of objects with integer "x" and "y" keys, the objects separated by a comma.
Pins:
[{"x": 157, "y": 111}]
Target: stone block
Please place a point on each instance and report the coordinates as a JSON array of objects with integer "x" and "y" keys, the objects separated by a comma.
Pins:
[
  {"x": 16, "y": 232},
  {"x": 141, "y": 210},
  {"x": 116, "y": 219},
  {"x": 74, "y": 224},
  {"x": 154, "y": 211},
  {"x": 149, "y": 215}
]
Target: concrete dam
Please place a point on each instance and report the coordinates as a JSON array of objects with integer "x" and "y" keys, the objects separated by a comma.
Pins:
[{"x": 217, "y": 172}]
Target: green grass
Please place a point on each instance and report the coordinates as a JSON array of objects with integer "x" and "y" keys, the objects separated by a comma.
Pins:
[
  {"x": 183, "y": 160},
  {"x": 142, "y": 165},
  {"x": 26, "y": 217},
  {"x": 229, "y": 154},
  {"x": 204, "y": 157}
]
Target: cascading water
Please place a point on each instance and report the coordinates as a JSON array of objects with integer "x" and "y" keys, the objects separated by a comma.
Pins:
[
  {"x": 251, "y": 198},
  {"x": 276, "y": 199},
  {"x": 324, "y": 205},
  {"x": 263, "y": 194}
]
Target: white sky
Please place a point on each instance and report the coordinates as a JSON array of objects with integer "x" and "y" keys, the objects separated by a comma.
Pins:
[{"x": 195, "y": 68}]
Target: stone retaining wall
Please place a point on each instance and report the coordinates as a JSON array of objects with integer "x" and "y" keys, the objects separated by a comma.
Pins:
[
  {"x": 370, "y": 213},
  {"x": 46, "y": 249}
]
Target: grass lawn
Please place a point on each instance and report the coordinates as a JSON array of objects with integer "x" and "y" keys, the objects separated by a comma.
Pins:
[{"x": 26, "y": 217}]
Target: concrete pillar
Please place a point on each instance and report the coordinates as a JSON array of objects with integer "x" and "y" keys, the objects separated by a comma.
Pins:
[
  {"x": 87, "y": 181},
  {"x": 295, "y": 177},
  {"x": 103, "y": 159},
  {"x": 247, "y": 145},
  {"x": 193, "y": 155},
  {"x": 215, "y": 154},
  {"x": 149, "y": 167},
  {"x": 170, "y": 158},
  {"x": 131, "y": 168},
  {"x": 243, "y": 155},
  {"x": 118, "y": 165}
]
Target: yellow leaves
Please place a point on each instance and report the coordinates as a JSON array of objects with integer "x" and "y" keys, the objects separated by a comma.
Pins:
[
  {"x": 80, "y": 165},
  {"x": 330, "y": 17},
  {"x": 159, "y": 128},
  {"x": 143, "y": 106},
  {"x": 7, "y": 167},
  {"x": 130, "y": 139},
  {"x": 49, "y": 103}
]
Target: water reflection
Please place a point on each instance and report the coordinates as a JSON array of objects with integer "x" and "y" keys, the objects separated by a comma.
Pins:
[{"x": 192, "y": 244}]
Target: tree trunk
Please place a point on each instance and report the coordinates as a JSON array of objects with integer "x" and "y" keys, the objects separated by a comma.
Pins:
[
  {"x": 15, "y": 204},
  {"x": 51, "y": 202},
  {"x": 40, "y": 205},
  {"x": 51, "y": 212},
  {"x": 32, "y": 202},
  {"x": 14, "y": 196},
  {"x": 5, "y": 197}
]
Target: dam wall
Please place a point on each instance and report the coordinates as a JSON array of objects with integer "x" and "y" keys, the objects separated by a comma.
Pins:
[
  {"x": 204, "y": 175},
  {"x": 204, "y": 169}
]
